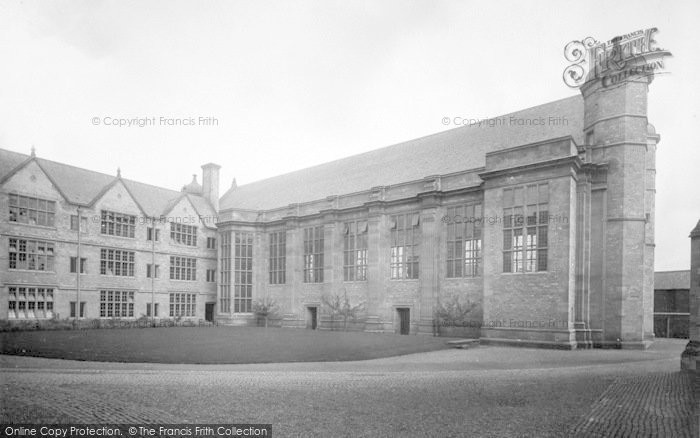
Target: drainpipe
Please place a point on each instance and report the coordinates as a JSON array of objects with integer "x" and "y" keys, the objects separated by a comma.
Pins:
[
  {"x": 77, "y": 270},
  {"x": 153, "y": 272}
]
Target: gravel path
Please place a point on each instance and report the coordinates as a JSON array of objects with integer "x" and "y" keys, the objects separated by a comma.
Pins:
[{"x": 486, "y": 391}]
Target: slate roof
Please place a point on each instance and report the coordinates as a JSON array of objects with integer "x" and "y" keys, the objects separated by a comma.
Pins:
[
  {"x": 446, "y": 152},
  {"x": 83, "y": 187},
  {"x": 668, "y": 280}
]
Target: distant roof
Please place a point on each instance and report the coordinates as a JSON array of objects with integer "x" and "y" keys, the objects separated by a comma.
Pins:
[
  {"x": 446, "y": 152},
  {"x": 672, "y": 280},
  {"x": 82, "y": 187}
]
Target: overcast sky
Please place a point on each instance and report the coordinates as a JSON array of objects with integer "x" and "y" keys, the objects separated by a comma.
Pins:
[{"x": 298, "y": 83}]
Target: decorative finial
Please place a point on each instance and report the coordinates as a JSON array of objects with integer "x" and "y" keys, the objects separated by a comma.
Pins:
[
  {"x": 233, "y": 184},
  {"x": 194, "y": 177},
  {"x": 119, "y": 172},
  {"x": 33, "y": 151}
]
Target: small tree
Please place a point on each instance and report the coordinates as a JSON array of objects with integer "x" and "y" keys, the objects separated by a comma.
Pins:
[
  {"x": 453, "y": 312},
  {"x": 340, "y": 305},
  {"x": 265, "y": 309}
]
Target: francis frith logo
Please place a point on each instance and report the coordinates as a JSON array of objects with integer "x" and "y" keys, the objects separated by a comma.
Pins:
[{"x": 632, "y": 54}]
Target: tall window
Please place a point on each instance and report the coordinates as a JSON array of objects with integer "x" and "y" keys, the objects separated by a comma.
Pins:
[
  {"x": 243, "y": 273},
  {"x": 183, "y": 304},
  {"x": 525, "y": 228},
  {"x": 313, "y": 254},
  {"x": 118, "y": 224},
  {"x": 33, "y": 255},
  {"x": 31, "y": 210},
  {"x": 211, "y": 242},
  {"x": 185, "y": 234},
  {"x": 464, "y": 241},
  {"x": 278, "y": 257},
  {"x": 405, "y": 246},
  {"x": 225, "y": 283},
  {"x": 183, "y": 268},
  {"x": 29, "y": 302},
  {"x": 117, "y": 262},
  {"x": 116, "y": 304},
  {"x": 355, "y": 251}
]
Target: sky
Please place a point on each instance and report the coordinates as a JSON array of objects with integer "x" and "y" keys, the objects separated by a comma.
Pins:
[{"x": 286, "y": 85}]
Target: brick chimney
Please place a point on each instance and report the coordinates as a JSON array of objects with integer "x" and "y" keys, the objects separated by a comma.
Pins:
[{"x": 210, "y": 184}]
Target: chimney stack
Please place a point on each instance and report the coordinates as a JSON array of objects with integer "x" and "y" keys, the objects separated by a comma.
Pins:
[{"x": 210, "y": 184}]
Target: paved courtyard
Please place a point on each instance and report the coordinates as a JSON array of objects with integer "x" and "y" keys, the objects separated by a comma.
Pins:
[{"x": 485, "y": 391}]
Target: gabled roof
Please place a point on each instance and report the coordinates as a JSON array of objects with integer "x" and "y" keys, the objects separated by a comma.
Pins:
[
  {"x": 668, "y": 280},
  {"x": 84, "y": 187},
  {"x": 443, "y": 153}
]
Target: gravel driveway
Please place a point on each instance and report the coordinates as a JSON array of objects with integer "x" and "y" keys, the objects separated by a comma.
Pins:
[{"x": 485, "y": 391}]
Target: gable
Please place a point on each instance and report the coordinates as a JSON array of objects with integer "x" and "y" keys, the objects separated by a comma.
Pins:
[
  {"x": 183, "y": 212},
  {"x": 118, "y": 199},
  {"x": 31, "y": 180}
]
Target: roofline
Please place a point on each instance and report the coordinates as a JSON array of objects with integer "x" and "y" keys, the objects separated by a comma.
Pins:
[
  {"x": 24, "y": 164},
  {"x": 575, "y": 96},
  {"x": 474, "y": 170}
]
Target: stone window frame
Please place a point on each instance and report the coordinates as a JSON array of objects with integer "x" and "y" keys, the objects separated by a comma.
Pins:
[
  {"x": 19, "y": 297},
  {"x": 243, "y": 272},
  {"x": 117, "y": 262},
  {"x": 116, "y": 303},
  {"x": 183, "y": 304},
  {"x": 117, "y": 224},
  {"x": 355, "y": 244},
  {"x": 183, "y": 268},
  {"x": 225, "y": 275},
  {"x": 405, "y": 246},
  {"x": 183, "y": 234},
  {"x": 464, "y": 241},
  {"x": 31, "y": 210},
  {"x": 314, "y": 244},
  {"x": 277, "y": 257},
  {"x": 526, "y": 228},
  {"x": 31, "y": 254}
]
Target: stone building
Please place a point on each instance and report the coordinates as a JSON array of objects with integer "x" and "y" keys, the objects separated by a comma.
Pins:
[
  {"x": 138, "y": 244},
  {"x": 690, "y": 358},
  {"x": 671, "y": 305},
  {"x": 540, "y": 222},
  {"x": 538, "y": 225}
]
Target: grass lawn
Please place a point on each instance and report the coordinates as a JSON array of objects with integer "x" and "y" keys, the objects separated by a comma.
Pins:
[{"x": 213, "y": 345}]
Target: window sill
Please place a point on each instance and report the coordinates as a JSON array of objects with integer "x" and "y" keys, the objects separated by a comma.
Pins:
[
  {"x": 182, "y": 245},
  {"x": 41, "y": 227},
  {"x": 33, "y": 271},
  {"x": 118, "y": 237},
  {"x": 526, "y": 273}
]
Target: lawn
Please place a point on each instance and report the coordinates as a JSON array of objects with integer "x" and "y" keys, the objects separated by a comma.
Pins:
[{"x": 213, "y": 345}]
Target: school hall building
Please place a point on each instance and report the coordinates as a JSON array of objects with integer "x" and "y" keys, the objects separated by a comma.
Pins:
[{"x": 540, "y": 222}]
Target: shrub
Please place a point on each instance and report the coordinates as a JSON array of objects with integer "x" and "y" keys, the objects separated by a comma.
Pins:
[
  {"x": 340, "y": 305},
  {"x": 265, "y": 309}
]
